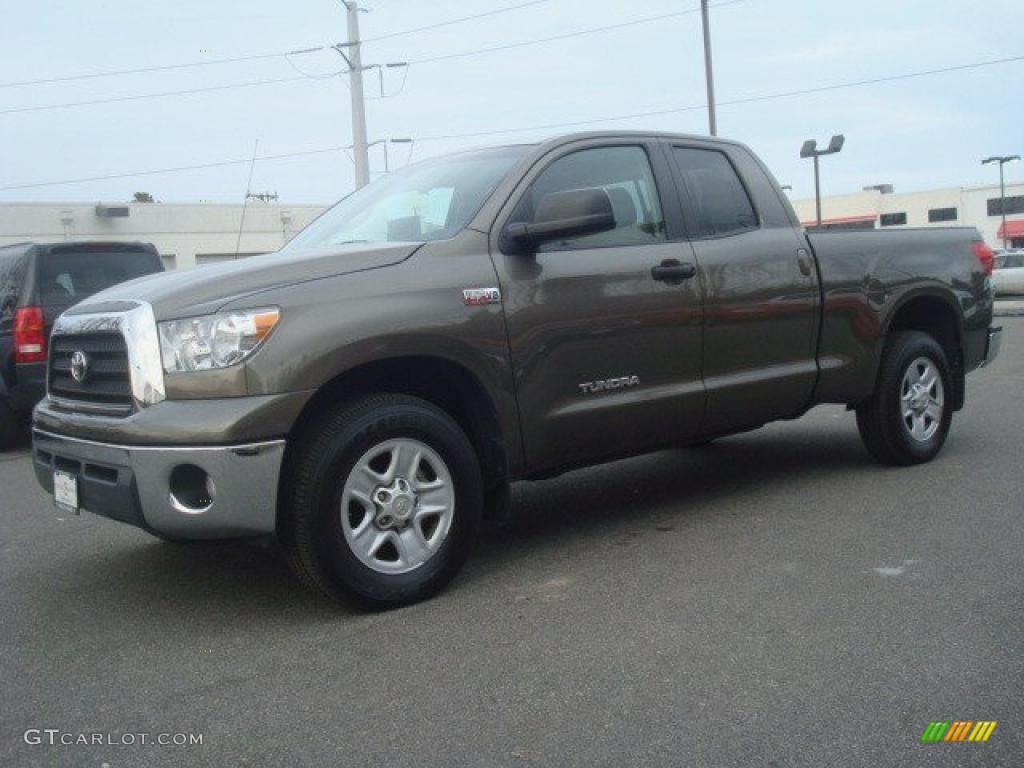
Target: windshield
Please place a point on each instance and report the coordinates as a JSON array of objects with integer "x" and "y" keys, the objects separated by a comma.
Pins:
[{"x": 431, "y": 200}]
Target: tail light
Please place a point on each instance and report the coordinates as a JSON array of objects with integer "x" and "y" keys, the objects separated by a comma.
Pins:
[
  {"x": 29, "y": 335},
  {"x": 985, "y": 256}
]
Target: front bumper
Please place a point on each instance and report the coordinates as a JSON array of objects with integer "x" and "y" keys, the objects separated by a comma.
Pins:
[
  {"x": 993, "y": 345},
  {"x": 133, "y": 484}
]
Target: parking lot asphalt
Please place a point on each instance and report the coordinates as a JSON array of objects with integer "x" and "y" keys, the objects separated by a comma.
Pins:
[{"x": 774, "y": 599}]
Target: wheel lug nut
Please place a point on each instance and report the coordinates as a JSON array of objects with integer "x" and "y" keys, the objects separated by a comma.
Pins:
[
  {"x": 384, "y": 521},
  {"x": 382, "y": 497}
]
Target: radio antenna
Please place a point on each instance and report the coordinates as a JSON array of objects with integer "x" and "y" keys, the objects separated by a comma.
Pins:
[{"x": 245, "y": 203}]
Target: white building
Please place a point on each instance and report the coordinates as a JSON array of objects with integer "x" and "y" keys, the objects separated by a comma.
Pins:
[
  {"x": 190, "y": 235},
  {"x": 876, "y": 207},
  {"x": 186, "y": 235}
]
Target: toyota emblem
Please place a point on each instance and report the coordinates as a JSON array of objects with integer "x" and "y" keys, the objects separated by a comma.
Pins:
[{"x": 79, "y": 366}]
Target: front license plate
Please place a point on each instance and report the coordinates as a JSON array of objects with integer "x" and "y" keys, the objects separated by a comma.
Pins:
[{"x": 65, "y": 491}]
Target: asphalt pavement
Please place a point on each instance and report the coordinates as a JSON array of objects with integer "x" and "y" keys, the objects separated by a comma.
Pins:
[{"x": 774, "y": 599}]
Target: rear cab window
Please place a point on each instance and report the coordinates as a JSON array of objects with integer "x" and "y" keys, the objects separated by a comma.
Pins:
[
  {"x": 717, "y": 202},
  {"x": 67, "y": 278}
]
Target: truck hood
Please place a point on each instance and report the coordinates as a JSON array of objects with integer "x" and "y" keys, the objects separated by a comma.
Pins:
[{"x": 207, "y": 289}]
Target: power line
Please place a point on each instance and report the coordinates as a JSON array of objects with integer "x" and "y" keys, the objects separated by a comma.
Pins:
[
  {"x": 875, "y": 80},
  {"x": 164, "y": 67},
  {"x": 549, "y": 126},
  {"x": 314, "y": 75},
  {"x": 140, "y": 96},
  {"x": 567, "y": 35},
  {"x": 449, "y": 22},
  {"x": 305, "y": 75},
  {"x": 256, "y": 56},
  {"x": 732, "y": 102},
  {"x": 176, "y": 169}
]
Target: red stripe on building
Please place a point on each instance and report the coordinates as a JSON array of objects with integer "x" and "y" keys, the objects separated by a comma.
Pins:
[
  {"x": 840, "y": 220},
  {"x": 1014, "y": 229}
]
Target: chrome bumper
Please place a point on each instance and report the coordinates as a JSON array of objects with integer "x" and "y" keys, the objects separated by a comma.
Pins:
[
  {"x": 995, "y": 342},
  {"x": 133, "y": 484}
]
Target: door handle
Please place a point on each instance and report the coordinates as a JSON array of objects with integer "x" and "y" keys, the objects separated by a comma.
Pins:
[
  {"x": 673, "y": 272},
  {"x": 803, "y": 260}
]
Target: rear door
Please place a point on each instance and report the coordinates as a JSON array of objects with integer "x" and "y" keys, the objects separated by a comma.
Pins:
[
  {"x": 606, "y": 356},
  {"x": 759, "y": 287}
]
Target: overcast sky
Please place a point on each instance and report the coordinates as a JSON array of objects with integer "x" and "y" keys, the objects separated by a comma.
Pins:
[{"x": 917, "y": 133}]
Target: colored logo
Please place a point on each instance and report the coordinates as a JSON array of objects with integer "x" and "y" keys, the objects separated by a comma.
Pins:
[
  {"x": 958, "y": 730},
  {"x": 474, "y": 297}
]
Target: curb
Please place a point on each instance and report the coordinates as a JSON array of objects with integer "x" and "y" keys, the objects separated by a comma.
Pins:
[{"x": 1009, "y": 309}]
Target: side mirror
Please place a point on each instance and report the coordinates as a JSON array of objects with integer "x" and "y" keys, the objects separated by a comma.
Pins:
[{"x": 559, "y": 216}]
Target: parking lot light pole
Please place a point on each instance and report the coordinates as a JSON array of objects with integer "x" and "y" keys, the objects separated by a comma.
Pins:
[
  {"x": 810, "y": 149},
  {"x": 1003, "y": 160}
]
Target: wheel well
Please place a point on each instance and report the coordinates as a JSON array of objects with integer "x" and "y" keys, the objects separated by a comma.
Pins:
[
  {"x": 446, "y": 384},
  {"x": 935, "y": 317}
]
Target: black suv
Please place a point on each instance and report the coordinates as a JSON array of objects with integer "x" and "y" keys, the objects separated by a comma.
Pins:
[{"x": 37, "y": 283}]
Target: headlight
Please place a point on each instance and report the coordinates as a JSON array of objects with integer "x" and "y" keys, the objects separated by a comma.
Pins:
[{"x": 214, "y": 341}]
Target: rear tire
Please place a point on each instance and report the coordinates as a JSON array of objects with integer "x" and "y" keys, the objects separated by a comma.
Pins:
[
  {"x": 907, "y": 419},
  {"x": 383, "y": 503}
]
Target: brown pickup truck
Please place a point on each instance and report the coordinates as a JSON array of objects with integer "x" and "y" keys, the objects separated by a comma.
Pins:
[{"x": 368, "y": 393}]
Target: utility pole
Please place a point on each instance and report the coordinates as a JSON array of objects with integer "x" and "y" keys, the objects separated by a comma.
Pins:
[
  {"x": 355, "y": 77},
  {"x": 245, "y": 200},
  {"x": 265, "y": 197},
  {"x": 708, "y": 73}
]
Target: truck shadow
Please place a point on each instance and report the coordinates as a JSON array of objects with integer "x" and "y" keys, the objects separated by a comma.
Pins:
[
  {"x": 19, "y": 446},
  {"x": 663, "y": 490},
  {"x": 728, "y": 468},
  {"x": 216, "y": 581}
]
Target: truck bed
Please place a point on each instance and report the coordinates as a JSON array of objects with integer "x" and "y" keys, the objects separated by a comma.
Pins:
[{"x": 866, "y": 276}]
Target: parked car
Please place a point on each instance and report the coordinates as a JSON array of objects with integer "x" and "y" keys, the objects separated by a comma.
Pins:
[
  {"x": 368, "y": 393},
  {"x": 37, "y": 283},
  {"x": 1008, "y": 276}
]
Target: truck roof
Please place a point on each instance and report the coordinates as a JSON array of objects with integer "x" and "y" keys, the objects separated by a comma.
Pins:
[
  {"x": 582, "y": 135},
  {"x": 568, "y": 138}
]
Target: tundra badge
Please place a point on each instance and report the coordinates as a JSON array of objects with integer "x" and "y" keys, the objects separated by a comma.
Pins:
[{"x": 604, "y": 385}]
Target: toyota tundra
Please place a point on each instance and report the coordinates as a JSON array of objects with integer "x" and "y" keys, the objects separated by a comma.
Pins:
[{"x": 368, "y": 393}]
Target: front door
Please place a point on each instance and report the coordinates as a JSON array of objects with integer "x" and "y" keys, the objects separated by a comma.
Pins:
[{"x": 606, "y": 353}]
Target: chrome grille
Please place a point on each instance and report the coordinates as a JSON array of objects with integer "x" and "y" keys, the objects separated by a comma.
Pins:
[{"x": 106, "y": 387}]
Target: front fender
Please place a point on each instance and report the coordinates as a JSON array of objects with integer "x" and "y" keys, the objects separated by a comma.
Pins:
[{"x": 414, "y": 309}]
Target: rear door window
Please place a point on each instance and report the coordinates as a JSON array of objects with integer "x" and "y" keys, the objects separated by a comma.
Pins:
[
  {"x": 718, "y": 202},
  {"x": 67, "y": 278}
]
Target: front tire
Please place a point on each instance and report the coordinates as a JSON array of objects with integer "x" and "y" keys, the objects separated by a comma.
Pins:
[
  {"x": 383, "y": 503},
  {"x": 907, "y": 419}
]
